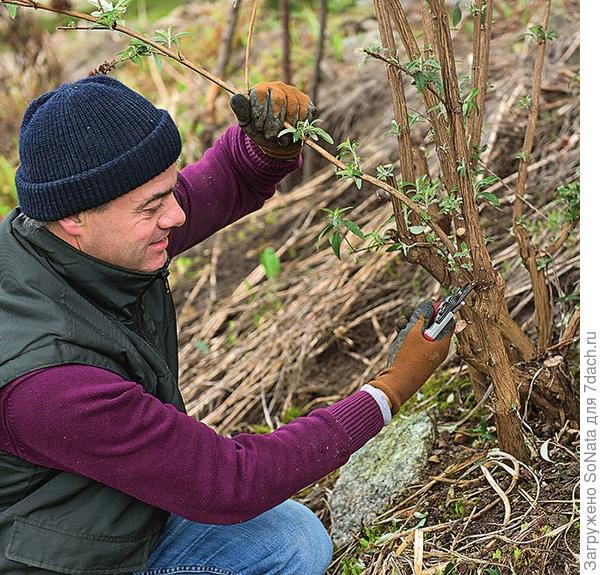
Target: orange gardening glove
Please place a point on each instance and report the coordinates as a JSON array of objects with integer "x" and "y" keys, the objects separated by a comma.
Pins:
[
  {"x": 412, "y": 357},
  {"x": 263, "y": 113}
]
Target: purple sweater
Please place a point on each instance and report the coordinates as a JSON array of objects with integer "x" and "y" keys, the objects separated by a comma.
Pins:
[{"x": 92, "y": 422}]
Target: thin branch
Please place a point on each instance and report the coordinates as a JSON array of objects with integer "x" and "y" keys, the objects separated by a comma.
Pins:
[
  {"x": 474, "y": 235},
  {"x": 249, "y": 46},
  {"x": 284, "y": 8},
  {"x": 393, "y": 62},
  {"x": 128, "y": 32},
  {"x": 479, "y": 69},
  {"x": 391, "y": 190},
  {"x": 532, "y": 118},
  {"x": 529, "y": 252},
  {"x": 229, "y": 88}
]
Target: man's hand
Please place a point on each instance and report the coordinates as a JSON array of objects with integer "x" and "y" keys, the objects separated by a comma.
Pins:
[
  {"x": 413, "y": 358},
  {"x": 263, "y": 114}
]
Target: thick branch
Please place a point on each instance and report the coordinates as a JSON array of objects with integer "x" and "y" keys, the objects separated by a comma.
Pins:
[
  {"x": 482, "y": 262},
  {"x": 479, "y": 69},
  {"x": 440, "y": 128},
  {"x": 400, "y": 113},
  {"x": 529, "y": 253}
]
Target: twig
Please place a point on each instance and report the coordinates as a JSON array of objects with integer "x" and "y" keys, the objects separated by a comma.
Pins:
[
  {"x": 394, "y": 63},
  {"x": 249, "y": 45},
  {"x": 500, "y": 492}
]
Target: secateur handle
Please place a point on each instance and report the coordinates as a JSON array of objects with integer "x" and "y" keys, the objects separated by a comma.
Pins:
[{"x": 444, "y": 312}]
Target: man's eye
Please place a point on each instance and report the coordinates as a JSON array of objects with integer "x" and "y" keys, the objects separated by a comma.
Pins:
[{"x": 154, "y": 209}]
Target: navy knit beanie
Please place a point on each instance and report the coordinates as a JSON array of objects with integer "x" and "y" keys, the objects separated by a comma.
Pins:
[{"x": 89, "y": 142}]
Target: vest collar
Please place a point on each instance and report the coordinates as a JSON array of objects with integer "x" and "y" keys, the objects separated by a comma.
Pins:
[{"x": 113, "y": 288}]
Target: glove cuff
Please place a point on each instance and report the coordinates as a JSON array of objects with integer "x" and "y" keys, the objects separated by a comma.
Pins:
[{"x": 287, "y": 153}]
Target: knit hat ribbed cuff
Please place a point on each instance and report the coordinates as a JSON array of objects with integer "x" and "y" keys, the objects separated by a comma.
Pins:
[
  {"x": 55, "y": 181},
  {"x": 50, "y": 201}
]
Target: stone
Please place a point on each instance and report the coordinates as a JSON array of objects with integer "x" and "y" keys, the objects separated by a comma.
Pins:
[{"x": 375, "y": 475}]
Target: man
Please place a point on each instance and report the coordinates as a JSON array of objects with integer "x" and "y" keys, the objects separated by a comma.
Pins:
[{"x": 101, "y": 470}]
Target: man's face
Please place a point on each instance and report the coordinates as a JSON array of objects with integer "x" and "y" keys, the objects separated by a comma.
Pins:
[{"x": 132, "y": 231}]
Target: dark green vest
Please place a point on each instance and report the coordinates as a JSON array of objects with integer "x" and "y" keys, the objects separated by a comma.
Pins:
[{"x": 58, "y": 306}]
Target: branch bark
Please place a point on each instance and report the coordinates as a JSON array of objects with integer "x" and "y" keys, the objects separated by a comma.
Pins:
[
  {"x": 222, "y": 60},
  {"x": 528, "y": 251},
  {"x": 486, "y": 309},
  {"x": 309, "y": 157},
  {"x": 482, "y": 28},
  {"x": 426, "y": 256},
  {"x": 284, "y": 8}
]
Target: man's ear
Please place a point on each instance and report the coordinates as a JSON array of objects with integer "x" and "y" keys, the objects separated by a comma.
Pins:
[{"x": 71, "y": 225}]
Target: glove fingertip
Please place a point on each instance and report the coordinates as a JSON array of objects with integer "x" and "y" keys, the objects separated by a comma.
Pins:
[
  {"x": 241, "y": 108},
  {"x": 424, "y": 310}
]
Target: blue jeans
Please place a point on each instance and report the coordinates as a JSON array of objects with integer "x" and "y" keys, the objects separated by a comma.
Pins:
[{"x": 286, "y": 540}]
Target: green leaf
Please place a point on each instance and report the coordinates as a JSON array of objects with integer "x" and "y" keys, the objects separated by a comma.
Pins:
[
  {"x": 270, "y": 262},
  {"x": 420, "y": 81},
  {"x": 336, "y": 241},
  {"x": 202, "y": 347},
  {"x": 320, "y": 133},
  {"x": 354, "y": 228},
  {"x": 286, "y": 131},
  {"x": 456, "y": 15},
  {"x": 489, "y": 197},
  {"x": 417, "y": 229},
  {"x": 12, "y": 10}
]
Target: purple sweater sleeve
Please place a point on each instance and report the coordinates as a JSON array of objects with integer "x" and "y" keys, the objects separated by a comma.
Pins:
[
  {"x": 91, "y": 422},
  {"x": 232, "y": 179}
]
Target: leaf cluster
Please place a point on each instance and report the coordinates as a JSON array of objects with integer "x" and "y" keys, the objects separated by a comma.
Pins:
[
  {"x": 540, "y": 34},
  {"x": 425, "y": 73},
  {"x": 307, "y": 129},
  {"x": 348, "y": 153},
  {"x": 338, "y": 227},
  {"x": 108, "y": 13}
]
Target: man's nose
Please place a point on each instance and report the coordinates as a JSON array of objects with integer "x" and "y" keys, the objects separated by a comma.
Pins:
[{"x": 173, "y": 216}]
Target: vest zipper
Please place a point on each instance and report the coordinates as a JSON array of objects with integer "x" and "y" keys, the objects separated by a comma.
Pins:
[
  {"x": 140, "y": 329},
  {"x": 164, "y": 273}
]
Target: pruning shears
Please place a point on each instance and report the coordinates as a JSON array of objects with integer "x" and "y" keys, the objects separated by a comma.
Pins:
[{"x": 445, "y": 310}]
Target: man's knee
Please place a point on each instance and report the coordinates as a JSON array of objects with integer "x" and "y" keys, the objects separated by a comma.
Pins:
[{"x": 309, "y": 545}]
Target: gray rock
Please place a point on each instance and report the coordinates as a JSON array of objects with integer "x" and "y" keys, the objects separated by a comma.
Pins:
[{"x": 373, "y": 476}]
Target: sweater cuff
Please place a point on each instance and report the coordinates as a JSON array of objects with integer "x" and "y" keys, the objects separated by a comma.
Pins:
[
  {"x": 379, "y": 397},
  {"x": 360, "y": 417},
  {"x": 266, "y": 163}
]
